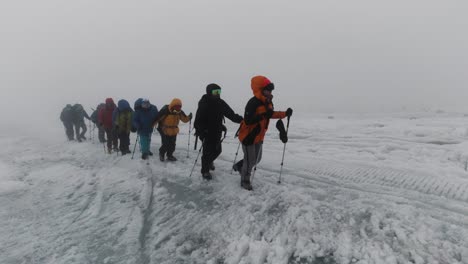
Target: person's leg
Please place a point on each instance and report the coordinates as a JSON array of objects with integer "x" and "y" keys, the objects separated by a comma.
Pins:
[
  {"x": 101, "y": 133},
  {"x": 209, "y": 152},
  {"x": 109, "y": 139},
  {"x": 126, "y": 142},
  {"x": 144, "y": 145},
  {"x": 163, "y": 148},
  {"x": 69, "y": 130},
  {"x": 122, "y": 146},
  {"x": 77, "y": 131},
  {"x": 115, "y": 139},
  {"x": 83, "y": 129},
  {"x": 171, "y": 144}
]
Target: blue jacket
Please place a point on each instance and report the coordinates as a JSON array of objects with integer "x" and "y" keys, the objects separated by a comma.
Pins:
[{"x": 143, "y": 119}]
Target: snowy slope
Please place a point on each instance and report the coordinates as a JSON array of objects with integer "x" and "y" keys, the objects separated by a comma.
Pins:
[{"x": 355, "y": 189}]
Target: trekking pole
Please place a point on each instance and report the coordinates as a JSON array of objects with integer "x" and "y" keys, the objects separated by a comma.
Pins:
[
  {"x": 189, "y": 131},
  {"x": 196, "y": 160},
  {"x": 134, "y": 147},
  {"x": 284, "y": 148},
  {"x": 235, "y": 157}
]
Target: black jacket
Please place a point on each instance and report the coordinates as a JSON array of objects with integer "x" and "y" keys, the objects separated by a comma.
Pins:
[{"x": 210, "y": 114}]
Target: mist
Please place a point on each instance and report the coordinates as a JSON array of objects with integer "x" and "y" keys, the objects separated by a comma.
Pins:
[{"x": 335, "y": 56}]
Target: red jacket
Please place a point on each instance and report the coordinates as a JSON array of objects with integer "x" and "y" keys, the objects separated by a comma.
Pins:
[{"x": 105, "y": 114}]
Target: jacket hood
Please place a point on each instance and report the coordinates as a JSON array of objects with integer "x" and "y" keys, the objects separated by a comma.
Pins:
[
  {"x": 123, "y": 105},
  {"x": 258, "y": 83},
  {"x": 109, "y": 101},
  {"x": 212, "y": 86},
  {"x": 174, "y": 102},
  {"x": 138, "y": 103}
]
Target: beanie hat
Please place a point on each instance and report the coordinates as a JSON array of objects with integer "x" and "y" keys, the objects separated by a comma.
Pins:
[{"x": 211, "y": 87}]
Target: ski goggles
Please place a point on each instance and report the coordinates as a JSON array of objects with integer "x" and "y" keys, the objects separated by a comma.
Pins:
[{"x": 216, "y": 92}]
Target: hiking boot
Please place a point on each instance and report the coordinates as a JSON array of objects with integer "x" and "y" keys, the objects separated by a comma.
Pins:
[
  {"x": 246, "y": 185},
  {"x": 207, "y": 176},
  {"x": 83, "y": 137},
  {"x": 171, "y": 158},
  {"x": 212, "y": 167},
  {"x": 161, "y": 157},
  {"x": 150, "y": 153},
  {"x": 144, "y": 156},
  {"x": 109, "y": 150},
  {"x": 79, "y": 139}
]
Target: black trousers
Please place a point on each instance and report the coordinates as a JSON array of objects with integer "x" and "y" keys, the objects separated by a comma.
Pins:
[
  {"x": 68, "y": 129},
  {"x": 112, "y": 138},
  {"x": 211, "y": 150},
  {"x": 101, "y": 134},
  {"x": 124, "y": 139},
  {"x": 168, "y": 144}
]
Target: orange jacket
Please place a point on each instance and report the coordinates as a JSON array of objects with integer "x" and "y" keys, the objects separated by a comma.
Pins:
[
  {"x": 168, "y": 119},
  {"x": 255, "y": 124}
]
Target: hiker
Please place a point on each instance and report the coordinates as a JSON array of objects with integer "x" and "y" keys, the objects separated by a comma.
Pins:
[
  {"x": 168, "y": 127},
  {"x": 258, "y": 112},
  {"x": 105, "y": 120},
  {"x": 66, "y": 116},
  {"x": 209, "y": 126},
  {"x": 122, "y": 119},
  {"x": 79, "y": 114},
  {"x": 143, "y": 120},
  {"x": 94, "y": 119}
]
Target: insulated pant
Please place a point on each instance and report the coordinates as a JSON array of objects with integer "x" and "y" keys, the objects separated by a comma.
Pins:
[
  {"x": 252, "y": 156},
  {"x": 112, "y": 138},
  {"x": 101, "y": 133},
  {"x": 145, "y": 142},
  {"x": 211, "y": 150},
  {"x": 124, "y": 139},
  {"x": 168, "y": 144},
  {"x": 80, "y": 125},
  {"x": 68, "y": 130}
]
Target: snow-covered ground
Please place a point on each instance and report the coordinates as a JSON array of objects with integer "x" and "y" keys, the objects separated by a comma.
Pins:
[{"x": 355, "y": 189}]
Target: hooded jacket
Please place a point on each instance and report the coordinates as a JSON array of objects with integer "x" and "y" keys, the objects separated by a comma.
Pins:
[
  {"x": 255, "y": 124},
  {"x": 143, "y": 119},
  {"x": 210, "y": 114},
  {"x": 105, "y": 114},
  {"x": 122, "y": 116},
  {"x": 67, "y": 114},
  {"x": 168, "y": 120},
  {"x": 79, "y": 113}
]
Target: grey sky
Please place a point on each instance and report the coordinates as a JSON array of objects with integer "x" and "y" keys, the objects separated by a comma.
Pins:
[{"x": 322, "y": 55}]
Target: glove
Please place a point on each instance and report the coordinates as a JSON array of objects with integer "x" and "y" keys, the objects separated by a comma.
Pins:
[
  {"x": 223, "y": 128},
  {"x": 268, "y": 114},
  {"x": 190, "y": 116},
  {"x": 283, "y": 137},
  {"x": 289, "y": 112}
]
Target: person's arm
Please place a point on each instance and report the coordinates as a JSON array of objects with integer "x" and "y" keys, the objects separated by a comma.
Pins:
[
  {"x": 250, "y": 114},
  {"x": 229, "y": 113},
  {"x": 86, "y": 115},
  {"x": 185, "y": 118}
]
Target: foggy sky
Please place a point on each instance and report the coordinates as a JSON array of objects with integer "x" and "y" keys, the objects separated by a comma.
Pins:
[{"x": 323, "y": 56}]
